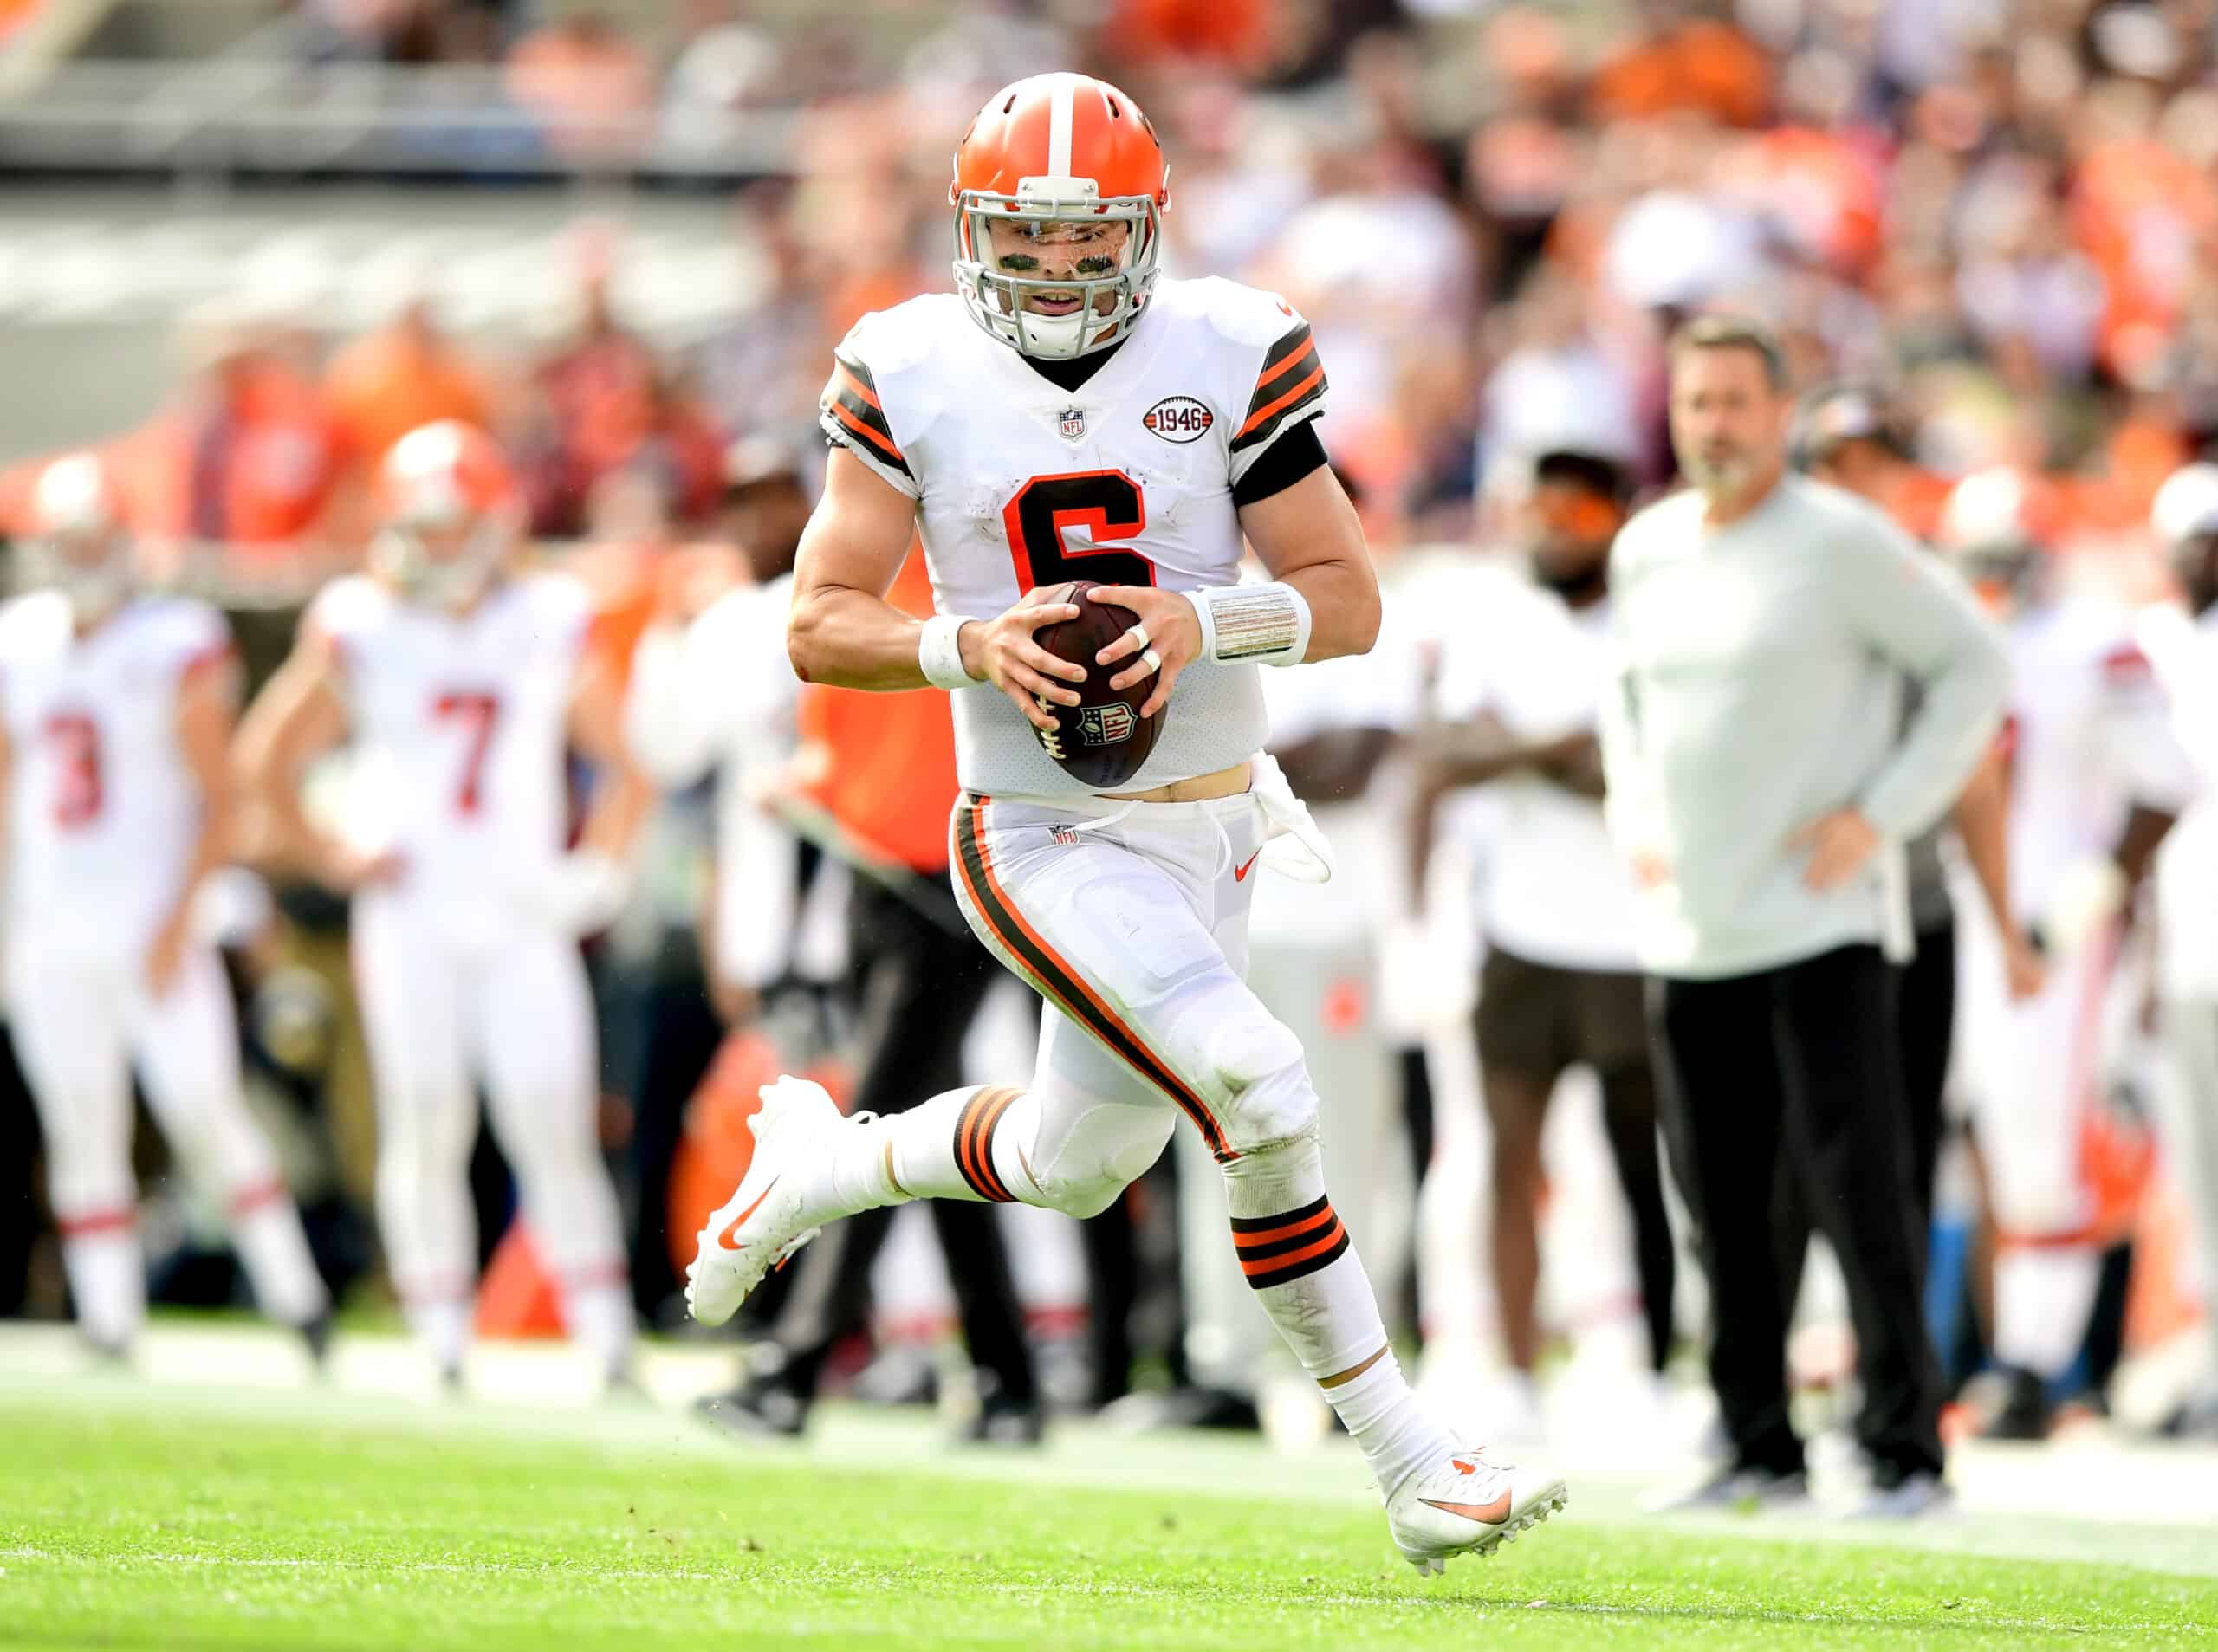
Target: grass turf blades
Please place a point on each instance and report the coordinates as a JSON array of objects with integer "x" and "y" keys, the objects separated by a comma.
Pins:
[{"x": 129, "y": 1522}]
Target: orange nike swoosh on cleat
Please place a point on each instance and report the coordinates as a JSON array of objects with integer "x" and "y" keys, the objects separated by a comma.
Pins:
[
  {"x": 1240, "y": 872},
  {"x": 725, "y": 1238},
  {"x": 1492, "y": 1513}
]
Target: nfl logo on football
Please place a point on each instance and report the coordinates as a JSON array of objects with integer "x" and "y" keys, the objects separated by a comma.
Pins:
[
  {"x": 1074, "y": 423},
  {"x": 1105, "y": 725}
]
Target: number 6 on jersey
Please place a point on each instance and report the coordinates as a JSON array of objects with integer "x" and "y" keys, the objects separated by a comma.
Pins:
[{"x": 1107, "y": 503}]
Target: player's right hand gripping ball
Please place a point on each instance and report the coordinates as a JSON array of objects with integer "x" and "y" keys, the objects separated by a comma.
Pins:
[{"x": 1102, "y": 740}]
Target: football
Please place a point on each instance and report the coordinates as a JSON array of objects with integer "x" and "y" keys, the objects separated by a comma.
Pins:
[{"x": 1102, "y": 740}]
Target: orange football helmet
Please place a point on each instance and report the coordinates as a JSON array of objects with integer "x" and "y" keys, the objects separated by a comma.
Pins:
[
  {"x": 80, "y": 544},
  {"x": 1058, "y": 150},
  {"x": 451, "y": 511}
]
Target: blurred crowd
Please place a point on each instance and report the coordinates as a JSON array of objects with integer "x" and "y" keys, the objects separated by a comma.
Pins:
[
  {"x": 2001, "y": 219},
  {"x": 2003, "y": 214}
]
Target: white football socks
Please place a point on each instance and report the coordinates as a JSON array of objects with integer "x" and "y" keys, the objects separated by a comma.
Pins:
[
  {"x": 442, "y": 1325},
  {"x": 597, "y": 1312},
  {"x": 1307, "y": 1276},
  {"x": 266, "y": 1233},
  {"x": 108, "y": 1279},
  {"x": 955, "y": 1146},
  {"x": 2043, "y": 1297}
]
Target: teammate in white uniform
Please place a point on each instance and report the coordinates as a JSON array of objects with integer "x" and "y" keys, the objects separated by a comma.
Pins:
[
  {"x": 713, "y": 689},
  {"x": 1560, "y": 988},
  {"x": 2095, "y": 779},
  {"x": 462, "y": 684},
  {"x": 2183, "y": 644},
  {"x": 1067, "y": 413},
  {"x": 114, "y": 753}
]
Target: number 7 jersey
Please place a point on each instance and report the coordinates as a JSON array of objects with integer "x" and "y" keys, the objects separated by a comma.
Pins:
[
  {"x": 1126, "y": 480},
  {"x": 460, "y": 727}
]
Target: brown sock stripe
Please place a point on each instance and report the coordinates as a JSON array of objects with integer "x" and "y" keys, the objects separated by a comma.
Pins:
[{"x": 974, "y": 1136}]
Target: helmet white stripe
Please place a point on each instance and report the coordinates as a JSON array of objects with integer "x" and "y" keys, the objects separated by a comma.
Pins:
[{"x": 1059, "y": 127}]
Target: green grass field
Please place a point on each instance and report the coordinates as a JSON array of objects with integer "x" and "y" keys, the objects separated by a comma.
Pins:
[{"x": 136, "y": 1516}]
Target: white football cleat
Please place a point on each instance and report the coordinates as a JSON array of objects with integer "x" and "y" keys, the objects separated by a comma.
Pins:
[
  {"x": 1467, "y": 1506},
  {"x": 762, "y": 1225}
]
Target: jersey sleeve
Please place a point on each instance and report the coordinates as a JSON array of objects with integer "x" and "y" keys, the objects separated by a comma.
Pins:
[
  {"x": 1288, "y": 392},
  {"x": 200, "y": 642},
  {"x": 340, "y": 616},
  {"x": 855, "y": 417},
  {"x": 2139, "y": 733}
]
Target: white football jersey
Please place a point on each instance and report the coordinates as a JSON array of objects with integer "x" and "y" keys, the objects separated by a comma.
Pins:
[
  {"x": 1556, "y": 891},
  {"x": 104, "y": 811},
  {"x": 460, "y": 731},
  {"x": 2089, "y": 737},
  {"x": 1126, "y": 480}
]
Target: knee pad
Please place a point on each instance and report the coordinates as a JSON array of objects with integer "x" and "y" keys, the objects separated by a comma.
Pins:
[
  {"x": 1256, "y": 1063},
  {"x": 1086, "y": 1153}
]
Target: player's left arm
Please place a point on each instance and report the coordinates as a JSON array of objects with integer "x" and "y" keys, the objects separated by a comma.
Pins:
[
  {"x": 1307, "y": 537},
  {"x": 207, "y": 700}
]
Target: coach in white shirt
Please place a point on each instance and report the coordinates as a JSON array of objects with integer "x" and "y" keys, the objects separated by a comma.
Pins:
[{"x": 1762, "y": 779}]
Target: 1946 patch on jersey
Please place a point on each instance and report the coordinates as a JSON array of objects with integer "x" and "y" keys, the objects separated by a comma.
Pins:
[{"x": 1178, "y": 418}]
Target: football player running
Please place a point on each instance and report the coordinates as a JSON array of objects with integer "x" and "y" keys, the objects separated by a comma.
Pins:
[
  {"x": 114, "y": 756},
  {"x": 461, "y": 683},
  {"x": 1067, "y": 413}
]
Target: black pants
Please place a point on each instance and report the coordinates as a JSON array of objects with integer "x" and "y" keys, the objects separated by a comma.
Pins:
[
  {"x": 1804, "y": 1059},
  {"x": 1925, "y": 1024},
  {"x": 923, "y": 976},
  {"x": 677, "y": 1035}
]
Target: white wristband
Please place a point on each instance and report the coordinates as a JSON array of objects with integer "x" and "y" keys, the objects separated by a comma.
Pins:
[
  {"x": 939, "y": 651},
  {"x": 1268, "y": 623}
]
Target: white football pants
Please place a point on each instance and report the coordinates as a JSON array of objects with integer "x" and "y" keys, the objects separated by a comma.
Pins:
[
  {"x": 82, "y": 1023},
  {"x": 440, "y": 1013}
]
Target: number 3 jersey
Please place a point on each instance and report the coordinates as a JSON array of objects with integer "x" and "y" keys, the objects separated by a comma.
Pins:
[
  {"x": 103, "y": 810},
  {"x": 1126, "y": 480},
  {"x": 460, "y": 730}
]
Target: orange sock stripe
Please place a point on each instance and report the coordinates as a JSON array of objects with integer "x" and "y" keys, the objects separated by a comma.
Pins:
[
  {"x": 97, "y": 1221},
  {"x": 1311, "y": 1259},
  {"x": 1002, "y": 1101},
  {"x": 1317, "y": 1246},
  {"x": 248, "y": 1200},
  {"x": 966, "y": 1158},
  {"x": 1074, "y": 995},
  {"x": 597, "y": 1275},
  {"x": 974, "y": 1133}
]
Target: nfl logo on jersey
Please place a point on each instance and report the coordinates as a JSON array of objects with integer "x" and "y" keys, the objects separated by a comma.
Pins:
[{"x": 1074, "y": 423}]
